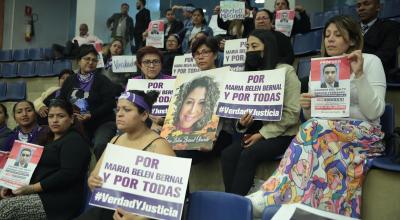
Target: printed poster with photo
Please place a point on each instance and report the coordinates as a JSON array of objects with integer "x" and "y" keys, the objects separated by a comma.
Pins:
[
  {"x": 155, "y": 32},
  {"x": 124, "y": 64},
  {"x": 330, "y": 84},
  {"x": 141, "y": 182},
  {"x": 235, "y": 54},
  {"x": 20, "y": 165},
  {"x": 164, "y": 86},
  {"x": 184, "y": 64},
  {"x": 191, "y": 122},
  {"x": 260, "y": 93},
  {"x": 284, "y": 20},
  {"x": 232, "y": 10},
  {"x": 3, "y": 159}
]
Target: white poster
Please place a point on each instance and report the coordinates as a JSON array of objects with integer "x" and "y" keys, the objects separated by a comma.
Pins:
[
  {"x": 184, "y": 64},
  {"x": 235, "y": 54},
  {"x": 124, "y": 64},
  {"x": 284, "y": 20},
  {"x": 155, "y": 32},
  {"x": 232, "y": 10}
]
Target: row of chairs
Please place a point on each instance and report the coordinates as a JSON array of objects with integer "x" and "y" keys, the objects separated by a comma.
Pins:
[
  {"x": 12, "y": 91},
  {"x": 33, "y": 68},
  {"x": 25, "y": 54}
]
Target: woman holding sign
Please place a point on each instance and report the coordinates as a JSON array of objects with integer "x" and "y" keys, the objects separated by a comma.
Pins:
[
  {"x": 262, "y": 141},
  {"x": 56, "y": 190},
  {"x": 133, "y": 110},
  {"x": 325, "y": 165}
]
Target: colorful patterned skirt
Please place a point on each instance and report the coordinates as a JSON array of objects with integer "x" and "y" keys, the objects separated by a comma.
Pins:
[{"x": 324, "y": 167}]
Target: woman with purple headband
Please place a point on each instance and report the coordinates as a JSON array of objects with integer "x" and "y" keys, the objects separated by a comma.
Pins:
[{"x": 132, "y": 112}]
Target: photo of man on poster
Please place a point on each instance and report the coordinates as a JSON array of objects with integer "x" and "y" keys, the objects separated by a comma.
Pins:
[
  {"x": 23, "y": 158},
  {"x": 154, "y": 28},
  {"x": 329, "y": 76},
  {"x": 284, "y": 17}
]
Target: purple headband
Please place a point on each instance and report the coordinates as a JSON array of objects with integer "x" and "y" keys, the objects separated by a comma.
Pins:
[{"x": 137, "y": 99}]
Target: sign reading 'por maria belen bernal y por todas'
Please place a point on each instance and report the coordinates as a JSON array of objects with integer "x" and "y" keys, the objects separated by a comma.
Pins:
[{"x": 142, "y": 182}]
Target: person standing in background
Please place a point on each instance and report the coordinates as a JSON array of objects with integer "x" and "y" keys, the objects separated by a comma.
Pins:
[
  {"x": 121, "y": 25},
  {"x": 142, "y": 22}
]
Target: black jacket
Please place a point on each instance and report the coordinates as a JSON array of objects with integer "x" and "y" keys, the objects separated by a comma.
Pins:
[
  {"x": 142, "y": 22},
  {"x": 285, "y": 48},
  {"x": 101, "y": 99},
  {"x": 382, "y": 39},
  {"x": 113, "y": 22},
  {"x": 62, "y": 171},
  {"x": 248, "y": 25},
  {"x": 176, "y": 27}
]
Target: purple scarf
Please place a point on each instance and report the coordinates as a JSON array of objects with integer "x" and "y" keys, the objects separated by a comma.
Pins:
[
  {"x": 85, "y": 81},
  {"x": 31, "y": 137}
]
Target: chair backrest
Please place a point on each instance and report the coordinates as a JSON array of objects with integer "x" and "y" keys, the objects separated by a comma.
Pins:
[
  {"x": 36, "y": 54},
  {"x": 3, "y": 89},
  {"x": 8, "y": 70},
  {"x": 317, "y": 20},
  {"x": 6, "y": 55},
  {"x": 21, "y": 55},
  {"x": 44, "y": 68},
  {"x": 390, "y": 9},
  {"x": 388, "y": 119},
  {"x": 308, "y": 43},
  {"x": 16, "y": 91},
  {"x": 59, "y": 65},
  {"x": 26, "y": 69},
  {"x": 206, "y": 205}
]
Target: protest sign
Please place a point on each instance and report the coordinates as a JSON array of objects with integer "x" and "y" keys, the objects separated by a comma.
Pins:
[
  {"x": 124, "y": 64},
  {"x": 141, "y": 182},
  {"x": 214, "y": 26},
  {"x": 184, "y": 64},
  {"x": 330, "y": 84},
  {"x": 3, "y": 159},
  {"x": 235, "y": 54},
  {"x": 20, "y": 165},
  {"x": 155, "y": 32},
  {"x": 191, "y": 122},
  {"x": 284, "y": 21},
  {"x": 257, "y": 92},
  {"x": 100, "y": 62},
  {"x": 164, "y": 86},
  {"x": 231, "y": 10}
]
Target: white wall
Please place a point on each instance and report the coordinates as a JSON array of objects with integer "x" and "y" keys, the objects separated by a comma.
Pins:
[{"x": 52, "y": 25}]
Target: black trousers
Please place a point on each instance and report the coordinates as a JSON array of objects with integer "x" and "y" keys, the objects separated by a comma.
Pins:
[
  {"x": 239, "y": 164},
  {"x": 224, "y": 139}
]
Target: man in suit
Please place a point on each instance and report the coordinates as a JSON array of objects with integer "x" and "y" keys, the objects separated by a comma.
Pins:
[
  {"x": 142, "y": 22},
  {"x": 172, "y": 26},
  {"x": 24, "y": 158},
  {"x": 330, "y": 72},
  {"x": 121, "y": 25},
  {"x": 380, "y": 37}
]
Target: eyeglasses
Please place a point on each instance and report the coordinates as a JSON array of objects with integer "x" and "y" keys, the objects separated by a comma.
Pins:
[
  {"x": 88, "y": 59},
  {"x": 204, "y": 53},
  {"x": 149, "y": 62}
]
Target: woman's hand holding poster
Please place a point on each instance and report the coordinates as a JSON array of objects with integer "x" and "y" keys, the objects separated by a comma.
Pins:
[
  {"x": 199, "y": 98},
  {"x": 330, "y": 85},
  {"x": 141, "y": 182}
]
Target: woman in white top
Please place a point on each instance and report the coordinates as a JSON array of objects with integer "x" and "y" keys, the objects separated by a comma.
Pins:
[{"x": 326, "y": 162}]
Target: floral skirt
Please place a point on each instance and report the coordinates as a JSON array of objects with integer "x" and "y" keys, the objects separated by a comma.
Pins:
[{"x": 324, "y": 167}]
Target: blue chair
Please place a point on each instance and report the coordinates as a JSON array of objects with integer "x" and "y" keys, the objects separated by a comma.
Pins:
[
  {"x": 388, "y": 126},
  {"x": 21, "y": 55},
  {"x": 390, "y": 9},
  {"x": 396, "y": 19},
  {"x": 318, "y": 20},
  {"x": 16, "y": 91},
  {"x": 59, "y": 65},
  {"x": 206, "y": 205},
  {"x": 26, "y": 69},
  {"x": 330, "y": 14},
  {"x": 6, "y": 56},
  {"x": 44, "y": 68},
  {"x": 8, "y": 70},
  {"x": 3, "y": 89},
  {"x": 36, "y": 54},
  {"x": 48, "y": 53},
  {"x": 270, "y": 211},
  {"x": 308, "y": 43},
  {"x": 350, "y": 10},
  {"x": 304, "y": 68}
]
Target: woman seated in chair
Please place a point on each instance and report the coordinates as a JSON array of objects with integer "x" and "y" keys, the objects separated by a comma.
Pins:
[
  {"x": 325, "y": 164},
  {"x": 133, "y": 110},
  {"x": 56, "y": 190}
]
